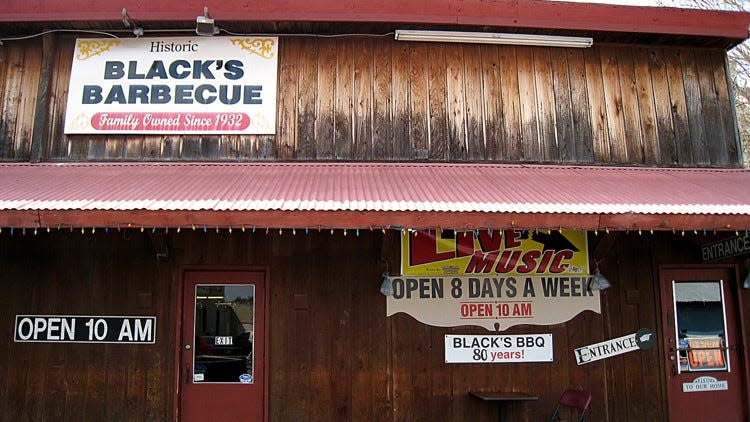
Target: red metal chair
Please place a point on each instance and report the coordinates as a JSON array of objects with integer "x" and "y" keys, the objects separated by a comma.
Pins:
[{"x": 579, "y": 399}]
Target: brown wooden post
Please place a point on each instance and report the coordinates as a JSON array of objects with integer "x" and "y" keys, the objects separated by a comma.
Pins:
[{"x": 40, "y": 133}]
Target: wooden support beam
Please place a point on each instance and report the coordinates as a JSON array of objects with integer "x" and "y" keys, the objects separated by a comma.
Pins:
[{"x": 40, "y": 133}]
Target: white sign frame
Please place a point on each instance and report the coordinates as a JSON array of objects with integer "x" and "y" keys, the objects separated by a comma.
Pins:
[
  {"x": 606, "y": 349},
  {"x": 177, "y": 85},
  {"x": 704, "y": 383},
  {"x": 102, "y": 329},
  {"x": 498, "y": 348}
]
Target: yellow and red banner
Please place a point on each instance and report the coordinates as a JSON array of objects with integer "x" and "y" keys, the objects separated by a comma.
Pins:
[{"x": 494, "y": 252}]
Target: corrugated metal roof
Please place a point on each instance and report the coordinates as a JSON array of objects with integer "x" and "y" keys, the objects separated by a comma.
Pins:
[{"x": 373, "y": 187}]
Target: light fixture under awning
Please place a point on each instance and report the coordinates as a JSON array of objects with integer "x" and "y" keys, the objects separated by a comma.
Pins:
[{"x": 493, "y": 38}]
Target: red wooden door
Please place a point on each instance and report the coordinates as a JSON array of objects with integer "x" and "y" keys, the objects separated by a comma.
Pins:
[
  {"x": 704, "y": 371},
  {"x": 222, "y": 374}
]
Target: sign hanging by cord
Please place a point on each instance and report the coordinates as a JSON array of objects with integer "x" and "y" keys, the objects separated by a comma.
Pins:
[{"x": 495, "y": 303}]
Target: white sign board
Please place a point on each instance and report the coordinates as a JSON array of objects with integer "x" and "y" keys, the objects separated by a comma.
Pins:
[
  {"x": 85, "y": 329},
  {"x": 704, "y": 384},
  {"x": 495, "y": 303},
  {"x": 498, "y": 348},
  {"x": 184, "y": 85},
  {"x": 606, "y": 349}
]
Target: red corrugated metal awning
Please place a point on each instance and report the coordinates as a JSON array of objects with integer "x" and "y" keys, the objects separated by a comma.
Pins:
[{"x": 363, "y": 195}]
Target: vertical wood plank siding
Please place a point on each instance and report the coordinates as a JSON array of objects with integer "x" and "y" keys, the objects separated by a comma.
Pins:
[
  {"x": 378, "y": 99},
  {"x": 334, "y": 355}
]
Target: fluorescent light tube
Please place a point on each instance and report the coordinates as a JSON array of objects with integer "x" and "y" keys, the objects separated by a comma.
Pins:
[{"x": 493, "y": 38}]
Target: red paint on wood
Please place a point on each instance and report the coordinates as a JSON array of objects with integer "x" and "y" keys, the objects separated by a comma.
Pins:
[{"x": 506, "y": 13}]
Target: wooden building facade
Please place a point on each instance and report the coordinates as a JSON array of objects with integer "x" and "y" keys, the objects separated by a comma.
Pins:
[{"x": 651, "y": 96}]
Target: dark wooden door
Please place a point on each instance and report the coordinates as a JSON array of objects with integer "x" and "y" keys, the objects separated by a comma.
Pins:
[
  {"x": 704, "y": 372},
  {"x": 223, "y": 339}
]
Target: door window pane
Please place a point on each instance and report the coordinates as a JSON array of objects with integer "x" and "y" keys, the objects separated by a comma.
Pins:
[
  {"x": 701, "y": 328},
  {"x": 224, "y": 318}
]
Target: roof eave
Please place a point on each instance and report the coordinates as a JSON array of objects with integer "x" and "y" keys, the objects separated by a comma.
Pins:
[
  {"x": 85, "y": 220},
  {"x": 520, "y": 14}
]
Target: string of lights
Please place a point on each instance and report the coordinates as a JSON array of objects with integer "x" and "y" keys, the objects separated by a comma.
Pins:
[{"x": 12, "y": 230}]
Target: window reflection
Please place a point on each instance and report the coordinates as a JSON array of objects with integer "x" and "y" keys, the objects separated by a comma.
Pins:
[
  {"x": 699, "y": 309},
  {"x": 224, "y": 318}
]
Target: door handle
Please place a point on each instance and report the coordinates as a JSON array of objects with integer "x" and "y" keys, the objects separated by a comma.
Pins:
[{"x": 187, "y": 374}]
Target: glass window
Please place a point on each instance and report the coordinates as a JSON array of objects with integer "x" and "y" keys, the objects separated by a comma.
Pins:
[
  {"x": 701, "y": 327},
  {"x": 224, "y": 318}
]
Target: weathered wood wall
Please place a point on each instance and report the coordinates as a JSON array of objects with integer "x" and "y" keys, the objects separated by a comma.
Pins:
[
  {"x": 378, "y": 99},
  {"x": 334, "y": 355},
  {"x": 65, "y": 274}
]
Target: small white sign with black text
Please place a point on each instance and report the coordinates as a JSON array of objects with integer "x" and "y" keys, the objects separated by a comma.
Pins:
[
  {"x": 704, "y": 384},
  {"x": 498, "y": 348}
]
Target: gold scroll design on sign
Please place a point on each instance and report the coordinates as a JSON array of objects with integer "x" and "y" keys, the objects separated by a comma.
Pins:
[
  {"x": 260, "y": 46},
  {"x": 82, "y": 120},
  {"x": 89, "y": 49}
]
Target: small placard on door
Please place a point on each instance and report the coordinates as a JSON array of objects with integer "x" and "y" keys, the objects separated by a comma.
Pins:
[{"x": 223, "y": 341}]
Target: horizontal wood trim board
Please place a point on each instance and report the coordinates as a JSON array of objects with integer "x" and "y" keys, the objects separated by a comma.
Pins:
[
  {"x": 512, "y": 14},
  {"x": 77, "y": 219}
]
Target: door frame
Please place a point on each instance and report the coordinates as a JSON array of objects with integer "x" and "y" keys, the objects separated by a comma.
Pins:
[
  {"x": 736, "y": 289},
  {"x": 177, "y": 303}
]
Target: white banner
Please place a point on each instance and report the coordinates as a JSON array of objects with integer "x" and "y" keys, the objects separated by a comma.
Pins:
[
  {"x": 498, "y": 349},
  {"x": 495, "y": 303},
  {"x": 185, "y": 85}
]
